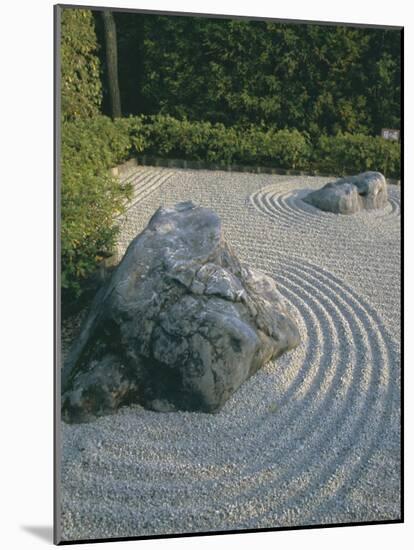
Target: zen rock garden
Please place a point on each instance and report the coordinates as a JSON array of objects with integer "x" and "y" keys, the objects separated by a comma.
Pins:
[
  {"x": 180, "y": 325},
  {"x": 348, "y": 195}
]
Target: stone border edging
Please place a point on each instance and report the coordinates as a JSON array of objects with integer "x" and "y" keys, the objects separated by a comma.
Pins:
[{"x": 147, "y": 160}]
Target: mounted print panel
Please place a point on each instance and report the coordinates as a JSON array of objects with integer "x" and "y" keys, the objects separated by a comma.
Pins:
[{"x": 228, "y": 318}]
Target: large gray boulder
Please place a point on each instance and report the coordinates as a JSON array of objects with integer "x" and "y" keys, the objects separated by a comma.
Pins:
[
  {"x": 351, "y": 194},
  {"x": 180, "y": 325}
]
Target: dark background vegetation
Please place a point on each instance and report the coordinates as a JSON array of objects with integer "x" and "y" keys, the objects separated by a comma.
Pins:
[
  {"x": 309, "y": 97},
  {"x": 315, "y": 78}
]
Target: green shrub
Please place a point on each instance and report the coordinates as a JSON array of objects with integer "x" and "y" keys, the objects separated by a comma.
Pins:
[
  {"x": 350, "y": 154},
  {"x": 90, "y": 197},
  {"x": 166, "y": 136},
  {"x": 278, "y": 148},
  {"x": 81, "y": 94},
  {"x": 136, "y": 130}
]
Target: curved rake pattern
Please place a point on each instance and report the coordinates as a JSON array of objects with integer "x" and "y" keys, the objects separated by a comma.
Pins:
[
  {"x": 288, "y": 207},
  {"x": 312, "y": 438}
]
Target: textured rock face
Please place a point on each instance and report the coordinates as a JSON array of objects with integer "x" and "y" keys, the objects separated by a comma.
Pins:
[
  {"x": 351, "y": 194},
  {"x": 180, "y": 325}
]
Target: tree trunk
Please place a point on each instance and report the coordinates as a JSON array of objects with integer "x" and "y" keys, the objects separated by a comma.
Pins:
[{"x": 112, "y": 63}]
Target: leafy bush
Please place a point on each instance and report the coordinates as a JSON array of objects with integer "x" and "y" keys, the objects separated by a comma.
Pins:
[
  {"x": 166, "y": 136},
  {"x": 90, "y": 197},
  {"x": 278, "y": 148},
  {"x": 80, "y": 80},
  {"x": 350, "y": 154}
]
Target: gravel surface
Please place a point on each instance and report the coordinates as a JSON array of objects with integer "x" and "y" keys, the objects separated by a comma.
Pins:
[{"x": 312, "y": 438}]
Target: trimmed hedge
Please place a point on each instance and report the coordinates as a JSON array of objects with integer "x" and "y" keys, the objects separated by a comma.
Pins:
[
  {"x": 91, "y": 198},
  {"x": 350, "y": 154},
  {"x": 166, "y": 136}
]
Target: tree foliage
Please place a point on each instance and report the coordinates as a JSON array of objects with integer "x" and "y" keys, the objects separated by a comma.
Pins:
[
  {"x": 321, "y": 79},
  {"x": 81, "y": 89},
  {"x": 314, "y": 78}
]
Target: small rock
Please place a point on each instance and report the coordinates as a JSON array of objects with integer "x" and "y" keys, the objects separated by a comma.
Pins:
[{"x": 351, "y": 194}]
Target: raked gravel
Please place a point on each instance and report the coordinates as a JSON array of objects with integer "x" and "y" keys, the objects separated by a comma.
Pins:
[{"x": 312, "y": 438}]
